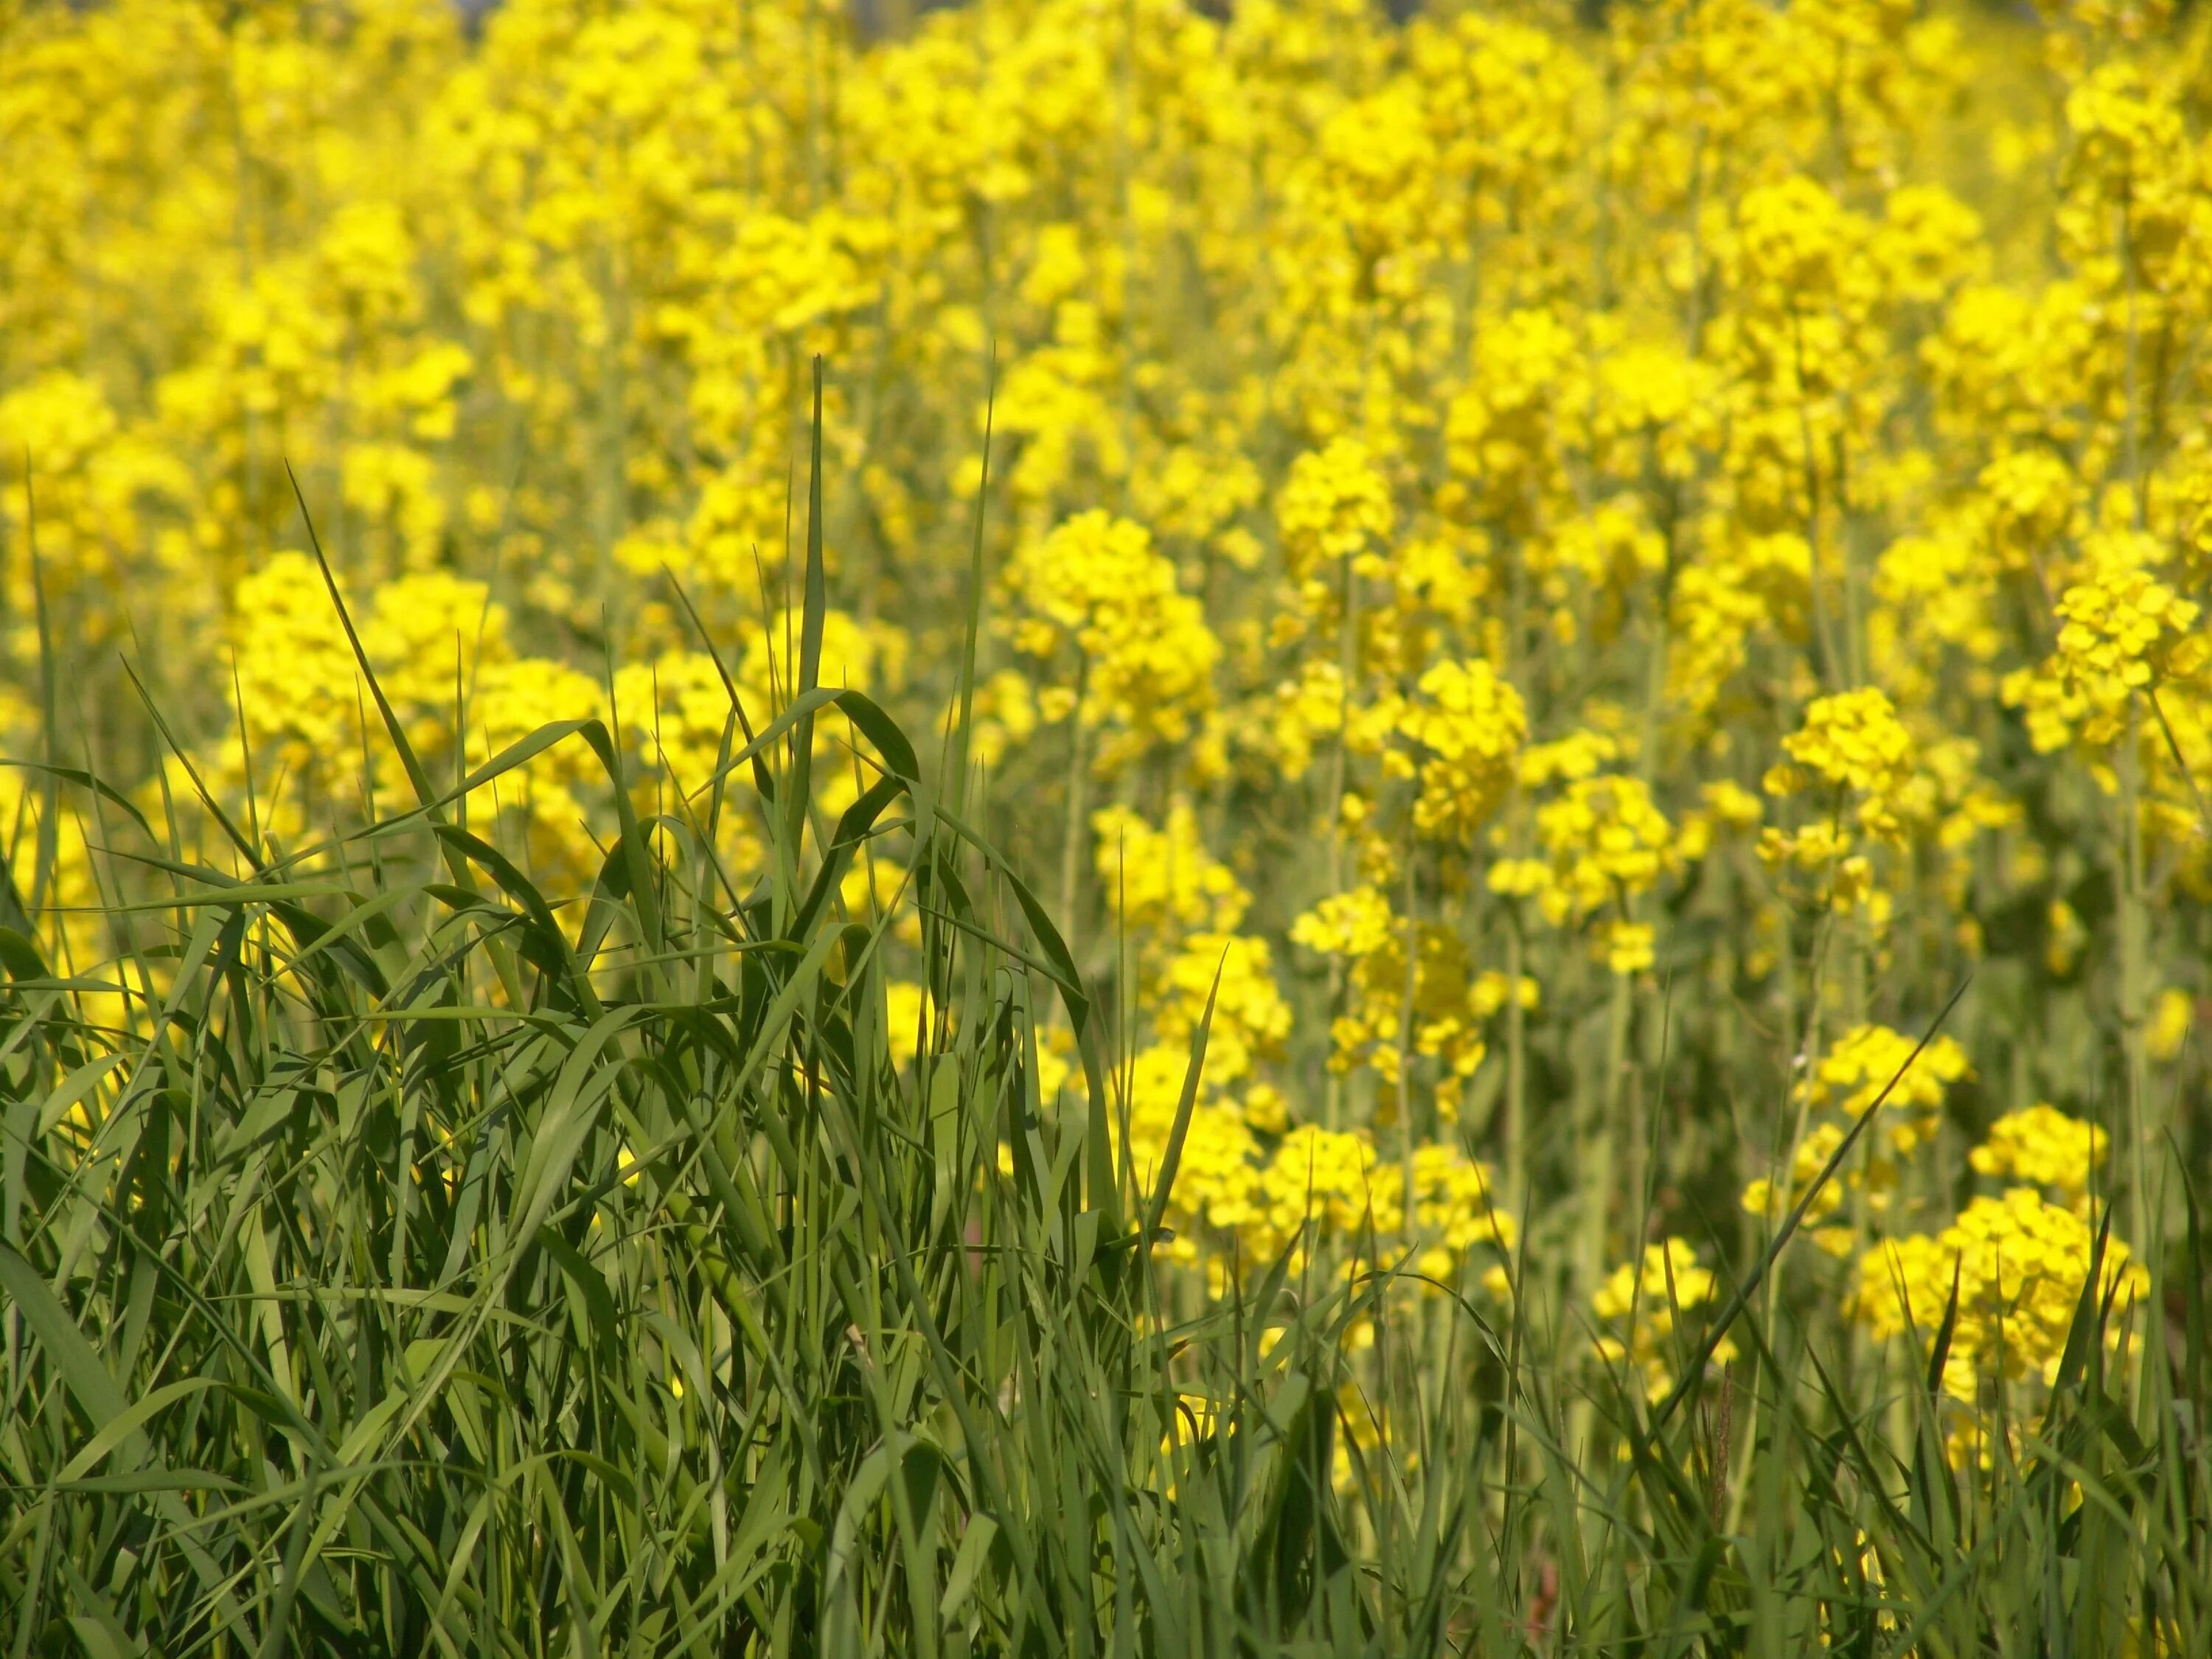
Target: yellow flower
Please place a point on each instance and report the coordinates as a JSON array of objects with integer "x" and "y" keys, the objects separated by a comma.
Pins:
[
  {"x": 1162, "y": 880},
  {"x": 2020, "y": 1264},
  {"x": 1143, "y": 655},
  {"x": 1853, "y": 741},
  {"x": 2122, "y": 631},
  {"x": 1468, "y": 725},
  {"x": 1645, "y": 1301},
  {"x": 2170, "y": 1023},
  {"x": 1335, "y": 505},
  {"x": 1868, "y": 1061},
  {"x": 1354, "y": 924},
  {"x": 1607, "y": 842},
  {"x": 2043, "y": 1147}
]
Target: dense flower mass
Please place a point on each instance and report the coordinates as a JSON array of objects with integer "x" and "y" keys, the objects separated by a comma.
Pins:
[
  {"x": 1568, "y": 571},
  {"x": 2008, "y": 1277}
]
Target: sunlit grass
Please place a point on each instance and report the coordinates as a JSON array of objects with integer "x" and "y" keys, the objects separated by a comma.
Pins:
[{"x": 407, "y": 1264}]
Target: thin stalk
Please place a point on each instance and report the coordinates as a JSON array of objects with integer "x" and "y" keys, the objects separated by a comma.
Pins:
[
  {"x": 1517, "y": 1069},
  {"x": 2134, "y": 919},
  {"x": 1332, "y": 1106},
  {"x": 1070, "y": 838}
]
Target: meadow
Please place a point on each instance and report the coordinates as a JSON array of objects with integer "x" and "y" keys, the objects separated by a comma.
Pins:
[{"x": 1094, "y": 827}]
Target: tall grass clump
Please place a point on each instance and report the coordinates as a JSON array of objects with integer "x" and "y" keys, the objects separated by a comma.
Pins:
[{"x": 402, "y": 1258}]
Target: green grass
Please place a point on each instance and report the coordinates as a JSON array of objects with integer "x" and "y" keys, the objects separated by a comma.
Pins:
[{"x": 445, "y": 1273}]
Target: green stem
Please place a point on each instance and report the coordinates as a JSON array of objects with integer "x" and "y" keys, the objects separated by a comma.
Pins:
[
  {"x": 1071, "y": 845},
  {"x": 1516, "y": 1071},
  {"x": 2134, "y": 986}
]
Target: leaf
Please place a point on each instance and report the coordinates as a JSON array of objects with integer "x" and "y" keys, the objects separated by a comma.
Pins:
[
  {"x": 81, "y": 1368},
  {"x": 75, "y": 1088},
  {"x": 20, "y": 956},
  {"x": 85, "y": 780},
  {"x": 598, "y": 1303},
  {"x": 1186, "y": 1103},
  {"x": 125, "y": 1424},
  {"x": 975, "y": 1541},
  {"x": 569, "y": 1118}
]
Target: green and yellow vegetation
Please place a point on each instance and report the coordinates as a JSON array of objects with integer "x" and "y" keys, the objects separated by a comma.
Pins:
[{"x": 1101, "y": 828}]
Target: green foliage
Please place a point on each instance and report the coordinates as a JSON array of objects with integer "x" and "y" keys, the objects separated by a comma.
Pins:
[{"x": 413, "y": 1267}]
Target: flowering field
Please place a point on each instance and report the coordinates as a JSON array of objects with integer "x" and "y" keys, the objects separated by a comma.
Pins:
[{"x": 1078, "y": 826}]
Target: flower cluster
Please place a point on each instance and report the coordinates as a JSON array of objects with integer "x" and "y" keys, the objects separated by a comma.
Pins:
[
  {"x": 2043, "y": 1147},
  {"x": 1871, "y": 1068},
  {"x": 1873, "y": 1063},
  {"x": 1642, "y": 1306},
  {"x": 2123, "y": 630},
  {"x": 1529, "y": 554},
  {"x": 1468, "y": 725},
  {"x": 2021, "y": 1265},
  {"x": 1142, "y": 653}
]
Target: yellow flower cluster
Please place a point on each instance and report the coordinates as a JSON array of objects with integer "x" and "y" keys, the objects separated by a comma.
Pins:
[
  {"x": 1870, "y": 785},
  {"x": 2043, "y": 1147},
  {"x": 1866, "y": 1064},
  {"x": 1645, "y": 1304},
  {"x": 2020, "y": 1264},
  {"x": 2124, "y": 630},
  {"x": 1852, "y": 741},
  {"x": 1436, "y": 1006},
  {"x": 1315, "y": 1189},
  {"x": 1771, "y": 1200},
  {"x": 1477, "y": 503},
  {"x": 1143, "y": 655},
  {"x": 1605, "y": 843},
  {"x": 1179, "y": 909},
  {"x": 1334, "y": 506},
  {"x": 1468, "y": 725}
]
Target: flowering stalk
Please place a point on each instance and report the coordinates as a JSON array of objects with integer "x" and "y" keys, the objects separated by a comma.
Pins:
[
  {"x": 2143, "y": 1130},
  {"x": 1072, "y": 825}
]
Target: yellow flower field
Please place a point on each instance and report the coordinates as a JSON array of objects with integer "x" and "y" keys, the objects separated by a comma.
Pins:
[{"x": 1556, "y": 578}]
